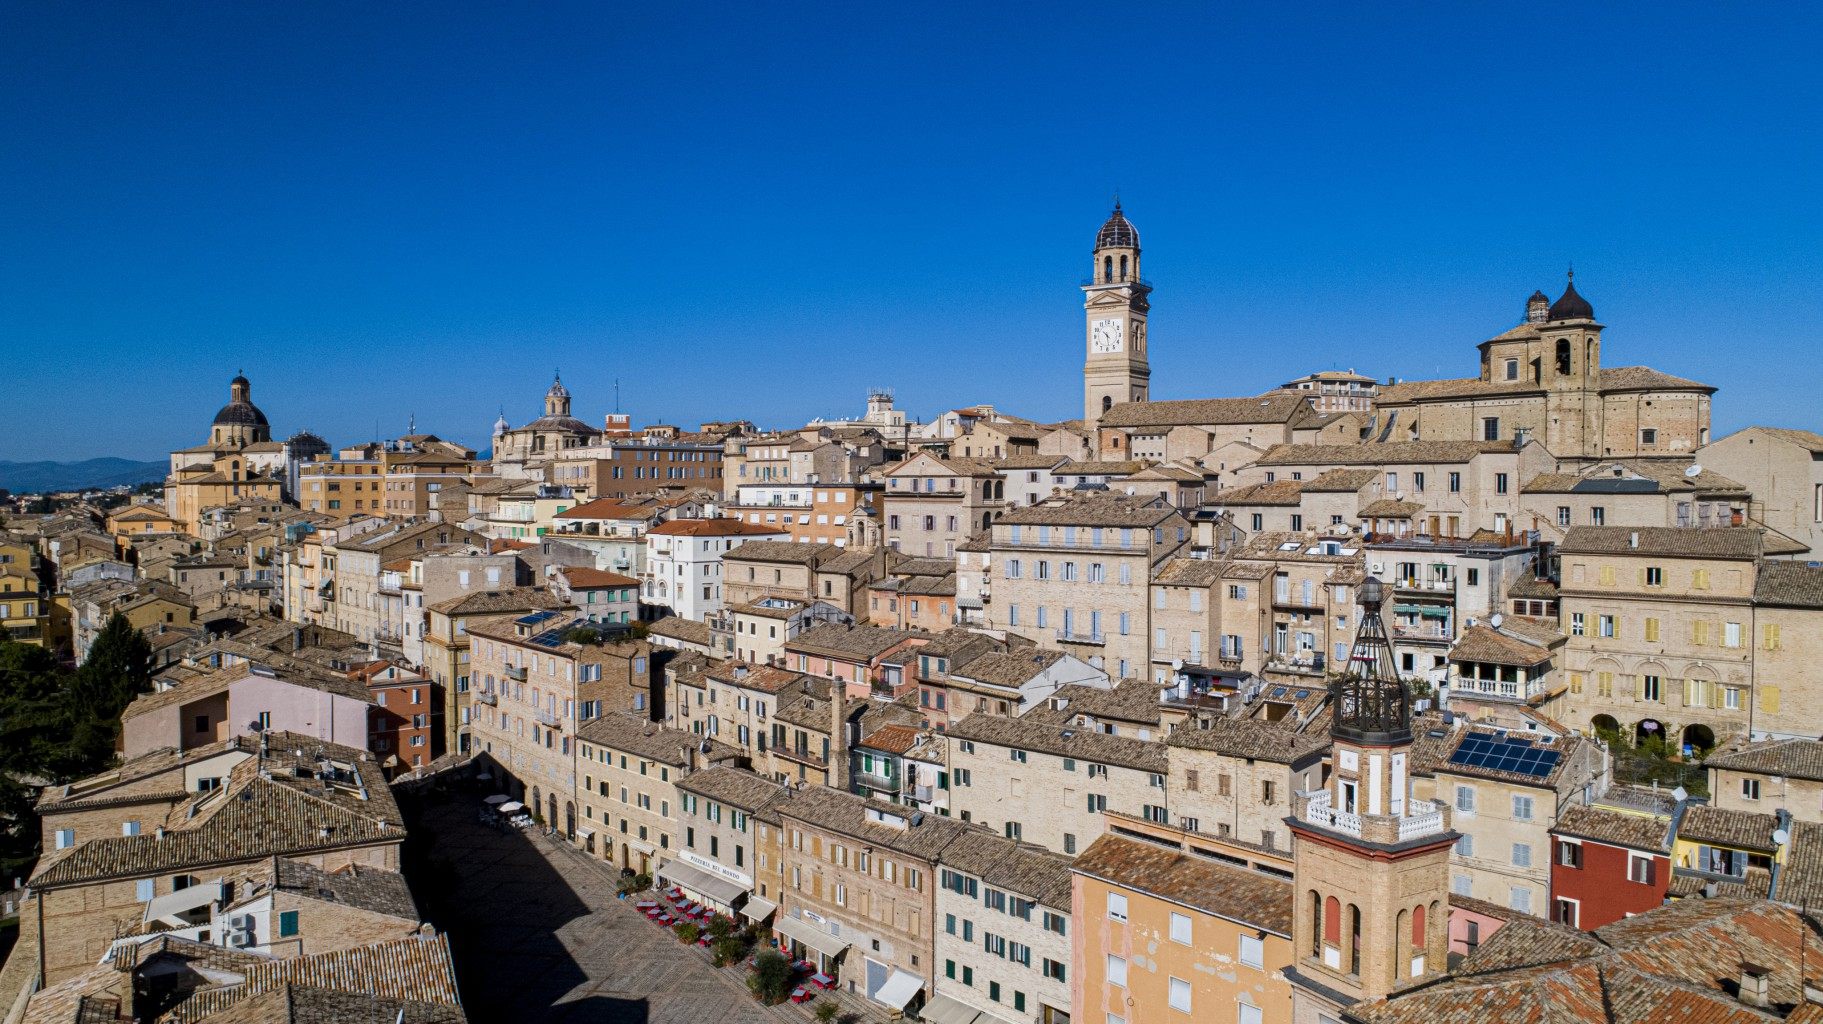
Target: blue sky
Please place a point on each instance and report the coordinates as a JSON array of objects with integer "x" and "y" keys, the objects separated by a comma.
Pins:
[{"x": 761, "y": 211}]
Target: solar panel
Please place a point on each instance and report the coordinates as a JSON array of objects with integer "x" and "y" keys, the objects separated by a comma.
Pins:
[
  {"x": 534, "y": 619},
  {"x": 1301, "y": 694},
  {"x": 1504, "y": 754}
]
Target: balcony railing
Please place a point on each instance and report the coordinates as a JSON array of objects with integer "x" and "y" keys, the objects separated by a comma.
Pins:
[
  {"x": 487, "y": 697},
  {"x": 1308, "y": 663},
  {"x": 548, "y": 719},
  {"x": 924, "y": 794},
  {"x": 1320, "y": 812},
  {"x": 1423, "y": 634},
  {"x": 1423, "y": 818},
  {"x": 875, "y": 781},
  {"x": 1080, "y": 636},
  {"x": 515, "y": 672},
  {"x": 1426, "y": 586}
]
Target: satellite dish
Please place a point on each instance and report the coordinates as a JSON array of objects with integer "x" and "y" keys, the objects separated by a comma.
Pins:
[
  {"x": 1693, "y": 470},
  {"x": 1496, "y": 619},
  {"x": 1780, "y": 837},
  {"x": 1177, "y": 664},
  {"x": 1680, "y": 794}
]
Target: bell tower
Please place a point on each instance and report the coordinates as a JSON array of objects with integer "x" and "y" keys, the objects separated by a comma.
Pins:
[
  {"x": 1115, "y": 303},
  {"x": 1371, "y": 863}
]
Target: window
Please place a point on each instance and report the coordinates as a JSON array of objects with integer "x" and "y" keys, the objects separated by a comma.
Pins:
[
  {"x": 1465, "y": 799},
  {"x": 1606, "y": 624},
  {"x": 1500, "y": 482},
  {"x": 1731, "y": 634},
  {"x": 1247, "y": 1013},
  {"x": 1569, "y": 854},
  {"x": 1563, "y": 515},
  {"x": 1520, "y": 898},
  {"x": 144, "y": 890},
  {"x": 1180, "y": 995},
  {"x": 1577, "y": 626},
  {"x": 288, "y": 924},
  {"x": 1750, "y": 789},
  {"x": 1522, "y": 808},
  {"x": 1564, "y": 911},
  {"x": 1117, "y": 906},
  {"x": 1465, "y": 845},
  {"x": 1655, "y": 576},
  {"x": 1253, "y": 951},
  {"x": 1651, "y": 688},
  {"x": 1648, "y": 435},
  {"x": 1522, "y": 855},
  {"x": 1180, "y": 928},
  {"x": 1639, "y": 868},
  {"x": 1490, "y": 428},
  {"x": 1117, "y": 970},
  {"x": 65, "y": 838},
  {"x": 1652, "y": 630}
]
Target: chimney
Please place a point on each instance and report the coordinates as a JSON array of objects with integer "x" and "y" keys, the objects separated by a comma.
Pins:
[
  {"x": 1753, "y": 985},
  {"x": 1633, "y": 539}
]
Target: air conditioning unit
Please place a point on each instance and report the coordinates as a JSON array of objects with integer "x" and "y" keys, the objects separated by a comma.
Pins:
[
  {"x": 242, "y": 922},
  {"x": 240, "y": 940}
]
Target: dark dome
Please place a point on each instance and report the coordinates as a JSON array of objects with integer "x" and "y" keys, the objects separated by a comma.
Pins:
[
  {"x": 240, "y": 414},
  {"x": 1571, "y": 306},
  {"x": 240, "y": 380},
  {"x": 1118, "y": 232},
  {"x": 305, "y": 441}
]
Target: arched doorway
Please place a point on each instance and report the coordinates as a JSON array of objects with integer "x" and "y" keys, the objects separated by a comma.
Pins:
[
  {"x": 551, "y": 818},
  {"x": 1646, "y": 730},
  {"x": 1698, "y": 739},
  {"x": 569, "y": 820},
  {"x": 1605, "y": 725}
]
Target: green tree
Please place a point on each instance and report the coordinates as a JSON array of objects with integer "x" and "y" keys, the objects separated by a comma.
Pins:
[
  {"x": 118, "y": 669},
  {"x": 771, "y": 977}
]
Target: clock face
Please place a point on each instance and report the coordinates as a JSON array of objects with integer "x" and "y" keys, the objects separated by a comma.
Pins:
[{"x": 1105, "y": 336}]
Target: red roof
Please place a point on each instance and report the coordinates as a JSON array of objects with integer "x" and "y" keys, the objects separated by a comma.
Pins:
[
  {"x": 711, "y": 528},
  {"x": 581, "y": 578},
  {"x": 605, "y": 508}
]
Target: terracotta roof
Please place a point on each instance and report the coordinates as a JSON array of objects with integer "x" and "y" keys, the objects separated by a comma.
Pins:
[
  {"x": 1007, "y": 668},
  {"x": 583, "y": 578},
  {"x": 1387, "y": 508},
  {"x": 1063, "y": 741},
  {"x": 1387, "y": 453},
  {"x": 894, "y": 739},
  {"x": 417, "y": 969},
  {"x": 363, "y": 888},
  {"x": 1276, "y": 492},
  {"x": 1188, "y": 880},
  {"x": 274, "y": 805},
  {"x": 862, "y": 642},
  {"x": 847, "y": 814},
  {"x": 711, "y": 528},
  {"x": 1337, "y": 480},
  {"x": 676, "y": 627},
  {"x": 1744, "y": 830},
  {"x": 781, "y": 551},
  {"x": 735, "y": 787},
  {"x": 1732, "y": 542},
  {"x": 1789, "y": 585},
  {"x": 1092, "y": 510},
  {"x": 1794, "y": 758},
  {"x": 1490, "y": 646},
  {"x": 1207, "y": 412},
  {"x": 493, "y": 602},
  {"x": 1532, "y": 587},
  {"x": 305, "y": 1004},
  {"x": 1635, "y": 831},
  {"x": 1134, "y": 701},
  {"x": 748, "y": 676},
  {"x": 1028, "y": 871},
  {"x": 1188, "y": 572},
  {"x": 631, "y": 733},
  {"x": 1252, "y": 739}
]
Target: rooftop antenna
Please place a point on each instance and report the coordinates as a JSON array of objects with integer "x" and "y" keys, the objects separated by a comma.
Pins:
[{"x": 617, "y": 395}]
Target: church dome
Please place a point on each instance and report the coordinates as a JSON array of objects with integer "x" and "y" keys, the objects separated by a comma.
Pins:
[
  {"x": 1570, "y": 305},
  {"x": 1118, "y": 232},
  {"x": 240, "y": 414},
  {"x": 306, "y": 443}
]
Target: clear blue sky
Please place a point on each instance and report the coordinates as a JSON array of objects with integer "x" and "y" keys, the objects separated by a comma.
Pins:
[{"x": 750, "y": 210}]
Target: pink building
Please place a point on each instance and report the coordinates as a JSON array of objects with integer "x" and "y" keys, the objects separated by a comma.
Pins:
[{"x": 244, "y": 699}]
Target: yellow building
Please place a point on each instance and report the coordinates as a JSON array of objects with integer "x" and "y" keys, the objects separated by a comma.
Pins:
[
  {"x": 24, "y": 611},
  {"x": 1161, "y": 935},
  {"x": 239, "y": 461}
]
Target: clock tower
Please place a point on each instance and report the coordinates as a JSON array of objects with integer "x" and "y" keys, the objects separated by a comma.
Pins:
[{"x": 1115, "y": 301}]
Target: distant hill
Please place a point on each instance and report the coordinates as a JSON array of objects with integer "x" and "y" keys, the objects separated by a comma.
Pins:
[{"x": 33, "y": 477}]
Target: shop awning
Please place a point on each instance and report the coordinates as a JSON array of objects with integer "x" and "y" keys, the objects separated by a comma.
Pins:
[
  {"x": 943, "y": 1010},
  {"x": 1435, "y": 613},
  {"x": 585, "y": 833},
  {"x": 183, "y": 901},
  {"x": 758, "y": 909},
  {"x": 718, "y": 889},
  {"x": 810, "y": 935},
  {"x": 1407, "y": 609},
  {"x": 899, "y": 989}
]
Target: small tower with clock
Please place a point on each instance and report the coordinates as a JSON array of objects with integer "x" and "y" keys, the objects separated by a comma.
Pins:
[{"x": 1115, "y": 300}]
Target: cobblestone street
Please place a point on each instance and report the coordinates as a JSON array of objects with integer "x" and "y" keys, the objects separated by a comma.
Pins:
[{"x": 538, "y": 935}]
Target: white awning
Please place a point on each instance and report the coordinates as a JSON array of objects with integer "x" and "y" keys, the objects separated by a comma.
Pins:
[
  {"x": 585, "y": 833},
  {"x": 810, "y": 935},
  {"x": 899, "y": 989},
  {"x": 944, "y": 1010},
  {"x": 183, "y": 901},
  {"x": 511, "y": 807},
  {"x": 758, "y": 909},
  {"x": 718, "y": 889}
]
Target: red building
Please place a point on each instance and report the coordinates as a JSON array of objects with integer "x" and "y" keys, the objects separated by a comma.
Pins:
[
  {"x": 402, "y": 726},
  {"x": 1612, "y": 859}
]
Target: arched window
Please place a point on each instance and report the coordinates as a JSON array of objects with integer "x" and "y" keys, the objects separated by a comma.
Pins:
[
  {"x": 1123, "y": 268},
  {"x": 1588, "y": 355},
  {"x": 1418, "y": 928},
  {"x": 1332, "y": 921},
  {"x": 1316, "y": 923},
  {"x": 1107, "y": 402},
  {"x": 1354, "y": 939},
  {"x": 1563, "y": 356},
  {"x": 1107, "y": 268}
]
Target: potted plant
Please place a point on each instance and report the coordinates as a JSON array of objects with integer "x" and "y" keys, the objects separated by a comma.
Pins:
[
  {"x": 727, "y": 949},
  {"x": 771, "y": 978},
  {"x": 687, "y": 931},
  {"x": 826, "y": 1011}
]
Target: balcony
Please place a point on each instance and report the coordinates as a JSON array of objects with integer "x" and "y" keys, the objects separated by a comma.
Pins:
[
  {"x": 1307, "y": 663},
  {"x": 1422, "y": 586},
  {"x": 487, "y": 697},
  {"x": 1297, "y": 602},
  {"x": 1423, "y": 634},
  {"x": 924, "y": 794},
  {"x": 1319, "y": 812},
  {"x": 548, "y": 719},
  {"x": 1421, "y": 818},
  {"x": 875, "y": 781},
  {"x": 1079, "y": 636},
  {"x": 516, "y": 672}
]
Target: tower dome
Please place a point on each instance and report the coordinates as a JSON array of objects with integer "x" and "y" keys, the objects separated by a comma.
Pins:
[
  {"x": 557, "y": 400},
  {"x": 1118, "y": 232},
  {"x": 1570, "y": 305},
  {"x": 240, "y": 421}
]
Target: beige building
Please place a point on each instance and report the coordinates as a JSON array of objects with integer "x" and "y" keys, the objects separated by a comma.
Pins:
[
  {"x": 1787, "y": 647},
  {"x": 932, "y": 505},
  {"x": 1003, "y": 932},
  {"x": 628, "y": 769},
  {"x": 1660, "y": 625},
  {"x": 1783, "y": 469},
  {"x": 532, "y": 687},
  {"x": 1038, "y": 780},
  {"x": 1287, "y": 606},
  {"x": 1233, "y": 778},
  {"x": 1076, "y": 572},
  {"x": 447, "y": 647},
  {"x": 1769, "y": 776},
  {"x": 1635, "y": 493}
]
